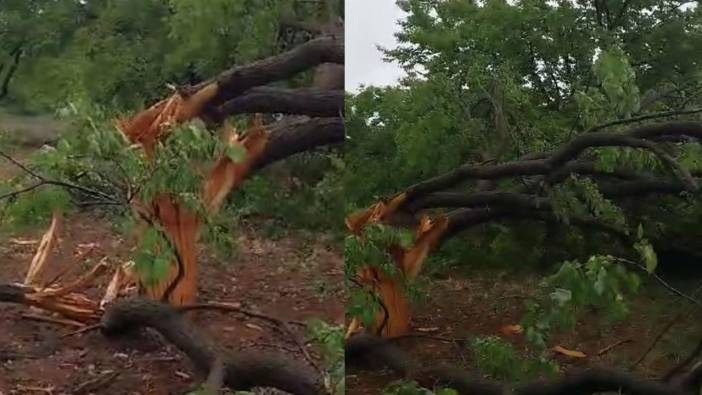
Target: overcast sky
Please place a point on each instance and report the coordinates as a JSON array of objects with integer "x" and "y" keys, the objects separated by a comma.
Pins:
[{"x": 370, "y": 23}]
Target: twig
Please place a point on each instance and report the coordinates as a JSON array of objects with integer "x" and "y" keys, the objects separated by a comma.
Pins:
[
  {"x": 81, "y": 282},
  {"x": 47, "y": 390},
  {"x": 237, "y": 309},
  {"x": 44, "y": 181},
  {"x": 609, "y": 348},
  {"x": 278, "y": 322},
  {"x": 84, "y": 329},
  {"x": 684, "y": 362},
  {"x": 54, "y": 320},
  {"x": 301, "y": 346},
  {"x": 21, "y": 191},
  {"x": 657, "y": 339},
  {"x": 278, "y": 346},
  {"x": 661, "y": 281},
  {"x": 93, "y": 384},
  {"x": 643, "y": 118},
  {"x": 20, "y": 165},
  {"x": 68, "y": 268},
  {"x": 425, "y": 336}
]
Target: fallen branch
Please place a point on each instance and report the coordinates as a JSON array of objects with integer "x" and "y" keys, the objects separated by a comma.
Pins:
[
  {"x": 658, "y": 337},
  {"x": 95, "y": 384},
  {"x": 282, "y": 324},
  {"x": 311, "y": 102},
  {"x": 45, "y": 181},
  {"x": 239, "y": 79},
  {"x": 243, "y": 370},
  {"x": 363, "y": 351},
  {"x": 612, "y": 346},
  {"x": 53, "y": 320},
  {"x": 235, "y": 308}
]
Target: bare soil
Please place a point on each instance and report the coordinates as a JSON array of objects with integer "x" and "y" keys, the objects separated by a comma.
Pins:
[
  {"x": 29, "y": 130},
  {"x": 295, "y": 277},
  {"x": 466, "y": 306}
]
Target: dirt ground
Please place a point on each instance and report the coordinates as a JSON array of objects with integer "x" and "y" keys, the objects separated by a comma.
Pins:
[
  {"x": 465, "y": 306},
  {"x": 291, "y": 278},
  {"x": 296, "y": 277}
]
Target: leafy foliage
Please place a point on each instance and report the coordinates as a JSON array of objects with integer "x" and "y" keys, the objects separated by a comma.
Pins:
[
  {"x": 33, "y": 209},
  {"x": 411, "y": 388},
  {"x": 489, "y": 82},
  {"x": 330, "y": 339},
  {"x": 498, "y": 359},
  {"x": 373, "y": 249},
  {"x": 600, "y": 283}
]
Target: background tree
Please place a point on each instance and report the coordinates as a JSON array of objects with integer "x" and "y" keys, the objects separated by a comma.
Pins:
[{"x": 495, "y": 85}]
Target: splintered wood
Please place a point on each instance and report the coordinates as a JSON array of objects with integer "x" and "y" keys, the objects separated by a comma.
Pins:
[
  {"x": 51, "y": 298},
  {"x": 36, "y": 268},
  {"x": 394, "y": 318},
  {"x": 182, "y": 226}
]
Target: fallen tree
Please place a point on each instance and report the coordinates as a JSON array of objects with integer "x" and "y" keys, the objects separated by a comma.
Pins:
[
  {"x": 119, "y": 313},
  {"x": 317, "y": 122},
  {"x": 241, "y": 370},
  {"x": 443, "y": 206},
  {"x": 369, "y": 351}
]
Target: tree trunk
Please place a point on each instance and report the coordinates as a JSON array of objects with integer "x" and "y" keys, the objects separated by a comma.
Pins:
[{"x": 16, "y": 54}]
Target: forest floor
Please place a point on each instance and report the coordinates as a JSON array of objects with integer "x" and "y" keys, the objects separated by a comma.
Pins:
[
  {"x": 464, "y": 306},
  {"x": 297, "y": 276}
]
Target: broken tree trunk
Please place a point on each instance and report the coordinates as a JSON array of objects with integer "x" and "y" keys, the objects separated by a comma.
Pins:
[
  {"x": 234, "y": 91},
  {"x": 464, "y": 209}
]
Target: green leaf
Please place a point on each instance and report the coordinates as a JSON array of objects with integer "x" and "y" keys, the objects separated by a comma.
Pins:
[
  {"x": 561, "y": 296},
  {"x": 237, "y": 153},
  {"x": 648, "y": 255}
]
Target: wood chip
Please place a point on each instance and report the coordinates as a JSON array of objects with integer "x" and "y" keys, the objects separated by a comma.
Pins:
[
  {"x": 569, "y": 353},
  {"x": 23, "y": 242}
]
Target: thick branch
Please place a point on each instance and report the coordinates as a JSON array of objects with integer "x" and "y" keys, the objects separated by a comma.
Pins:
[
  {"x": 297, "y": 135},
  {"x": 311, "y": 102},
  {"x": 463, "y": 219},
  {"x": 17, "y": 54},
  {"x": 242, "y": 370},
  {"x": 364, "y": 351},
  {"x": 546, "y": 163},
  {"x": 237, "y": 80}
]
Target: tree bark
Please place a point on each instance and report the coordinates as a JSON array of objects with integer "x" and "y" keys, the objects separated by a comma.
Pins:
[
  {"x": 237, "y": 80},
  {"x": 16, "y": 54},
  {"x": 312, "y": 102}
]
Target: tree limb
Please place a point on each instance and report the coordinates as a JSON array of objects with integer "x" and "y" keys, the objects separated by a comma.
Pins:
[
  {"x": 548, "y": 162},
  {"x": 237, "y": 80},
  {"x": 311, "y": 102},
  {"x": 364, "y": 350},
  {"x": 297, "y": 135},
  {"x": 242, "y": 370}
]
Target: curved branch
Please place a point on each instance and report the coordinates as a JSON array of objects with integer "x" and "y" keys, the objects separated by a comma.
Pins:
[
  {"x": 363, "y": 351},
  {"x": 242, "y": 371},
  {"x": 548, "y": 162},
  {"x": 643, "y": 117},
  {"x": 311, "y": 102},
  {"x": 237, "y": 80},
  {"x": 463, "y": 219},
  {"x": 297, "y": 135}
]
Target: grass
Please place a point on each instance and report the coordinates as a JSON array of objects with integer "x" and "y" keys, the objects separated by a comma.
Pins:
[{"x": 29, "y": 130}]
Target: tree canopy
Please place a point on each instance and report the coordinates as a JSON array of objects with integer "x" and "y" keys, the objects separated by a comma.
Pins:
[
  {"x": 123, "y": 54},
  {"x": 491, "y": 82}
]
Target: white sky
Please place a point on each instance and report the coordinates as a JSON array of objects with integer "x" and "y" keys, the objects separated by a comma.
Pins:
[{"x": 370, "y": 23}]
